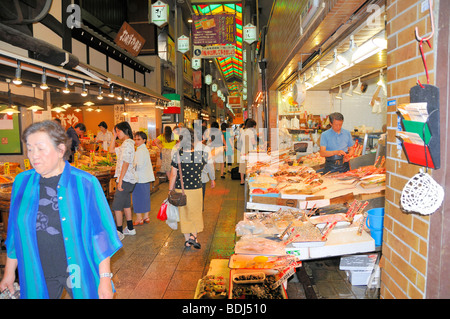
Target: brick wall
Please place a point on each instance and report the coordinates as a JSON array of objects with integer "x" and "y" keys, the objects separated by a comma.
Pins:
[{"x": 406, "y": 236}]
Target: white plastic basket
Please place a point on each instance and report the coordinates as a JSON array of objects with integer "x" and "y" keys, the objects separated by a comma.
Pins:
[{"x": 422, "y": 195}]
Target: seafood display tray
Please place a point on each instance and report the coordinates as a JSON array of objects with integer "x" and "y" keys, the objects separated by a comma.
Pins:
[{"x": 281, "y": 290}]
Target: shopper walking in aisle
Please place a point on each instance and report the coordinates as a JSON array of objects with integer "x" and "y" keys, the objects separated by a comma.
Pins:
[
  {"x": 61, "y": 234},
  {"x": 248, "y": 142},
  {"x": 165, "y": 142},
  {"x": 104, "y": 136},
  {"x": 228, "y": 145},
  {"x": 191, "y": 158},
  {"x": 126, "y": 178},
  {"x": 216, "y": 143},
  {"x": 336, "y": 145},
  {"x": 145, "y": 175},
  {"x": 74, "y": 133},
  {"x": 208, "y": 172}
]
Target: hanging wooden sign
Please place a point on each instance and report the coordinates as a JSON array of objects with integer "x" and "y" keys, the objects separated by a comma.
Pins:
[{"x": 128, "y": 39}]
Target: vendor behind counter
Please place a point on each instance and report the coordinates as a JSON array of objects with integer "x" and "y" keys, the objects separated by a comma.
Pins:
[{"x": 336, "y": 145}]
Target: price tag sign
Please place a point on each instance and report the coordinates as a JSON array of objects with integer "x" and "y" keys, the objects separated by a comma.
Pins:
[
  {"x": 26, "y": 162},
  {"x": 91, "y": 158},
  {"x": 6, "y": 168}
]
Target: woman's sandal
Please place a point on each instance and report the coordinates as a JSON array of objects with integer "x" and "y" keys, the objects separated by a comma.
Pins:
[
  {"x": 193, "y": 242},
  {"x": 138, "y": 222}
]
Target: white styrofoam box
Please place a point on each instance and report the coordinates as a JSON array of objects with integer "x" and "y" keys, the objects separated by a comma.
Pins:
[
  {"x": 358, "y": 262},
  {"x": 344, "y": 241},
  {"x": 361, "y": 277}
]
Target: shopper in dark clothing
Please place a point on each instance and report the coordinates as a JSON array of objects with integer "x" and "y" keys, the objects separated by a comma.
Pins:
[{"x": 73, "y": 133}]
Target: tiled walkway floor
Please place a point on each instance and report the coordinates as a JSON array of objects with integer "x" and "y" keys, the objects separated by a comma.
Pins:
[{"x": 155, "y": 264}]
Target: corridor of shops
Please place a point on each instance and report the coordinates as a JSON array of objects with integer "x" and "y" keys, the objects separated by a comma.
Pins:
[{"x": 153, "y": 264}]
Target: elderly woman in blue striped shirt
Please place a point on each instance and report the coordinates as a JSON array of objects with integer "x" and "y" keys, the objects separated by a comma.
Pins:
[{"x": 61, "y": 232}]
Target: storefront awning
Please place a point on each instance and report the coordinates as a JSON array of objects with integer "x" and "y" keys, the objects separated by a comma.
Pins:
[{"x": 118, "y": 81}]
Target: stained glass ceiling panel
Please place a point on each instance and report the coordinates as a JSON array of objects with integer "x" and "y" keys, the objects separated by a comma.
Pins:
[{"x": 232, "y": 67}]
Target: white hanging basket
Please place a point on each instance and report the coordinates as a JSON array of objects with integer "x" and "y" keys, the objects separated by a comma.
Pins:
[{"x": 422, "y": 195}]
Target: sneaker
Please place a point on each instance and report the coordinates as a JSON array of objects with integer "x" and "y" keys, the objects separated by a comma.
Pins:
[
  {"x": 132, "y": 232},
  {"x": 121, "y": 236}
]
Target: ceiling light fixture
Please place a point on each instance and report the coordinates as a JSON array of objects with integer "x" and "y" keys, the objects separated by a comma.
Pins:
[
  {"x": 382, "y": 83},
  {"x": 111, "y": 91},
  {"x": 120, "y": 95},
  {"x": 350, "y": 90},
  {"x": 331, "y": 68},
  {"x": 44, "y": 85},
  {"x": 346, "y": 57},
  {"x": 310, "y": 82},
  {"x": 84, "y": 91},
  {"x": 377, "y": 44},
  {"x": 11, "y": 109},
  {"x": 66, "y": 89},
  {"x": 18, "y": 79},
  {"x": 318, "y": 76},
  {"x": 58, "y": 109},
  {"x": 34, "y": 107},
  {"x": 339, "y": 95},
  {"x": 100, "y": 93},
  {"x": 357, "y": 89}
]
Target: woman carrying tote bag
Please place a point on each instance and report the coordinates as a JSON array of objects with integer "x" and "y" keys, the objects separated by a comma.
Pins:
[{"x": 192, "y": 159}]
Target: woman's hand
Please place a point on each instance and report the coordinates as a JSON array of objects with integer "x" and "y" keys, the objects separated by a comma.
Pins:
[
  {"x": 10, "y": 275},
  {"x": 213, "y": 183},
  {"x": 105, "y": 290},
  {"x": 119, "y": 185}
]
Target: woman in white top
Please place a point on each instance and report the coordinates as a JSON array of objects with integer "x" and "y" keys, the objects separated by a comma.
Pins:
[
  {"x": 144, "y": 173},
  {"x": 248, "y": 144},
  {"x": 126, "y": 178},
  {"x": 104, "y": 136}
]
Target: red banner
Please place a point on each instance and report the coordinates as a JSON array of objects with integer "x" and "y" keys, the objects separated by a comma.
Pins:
[
  {"x": 220, "y": 103},
  {"x": 197, "y": 79}
]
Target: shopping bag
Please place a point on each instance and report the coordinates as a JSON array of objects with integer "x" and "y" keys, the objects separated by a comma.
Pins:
[
  {"x": 173, "y": 216},
  {"x": 162, "y": 213}
]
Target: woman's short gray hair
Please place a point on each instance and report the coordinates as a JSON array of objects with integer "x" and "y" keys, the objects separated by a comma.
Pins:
[{"x": 54, "y": 130}]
